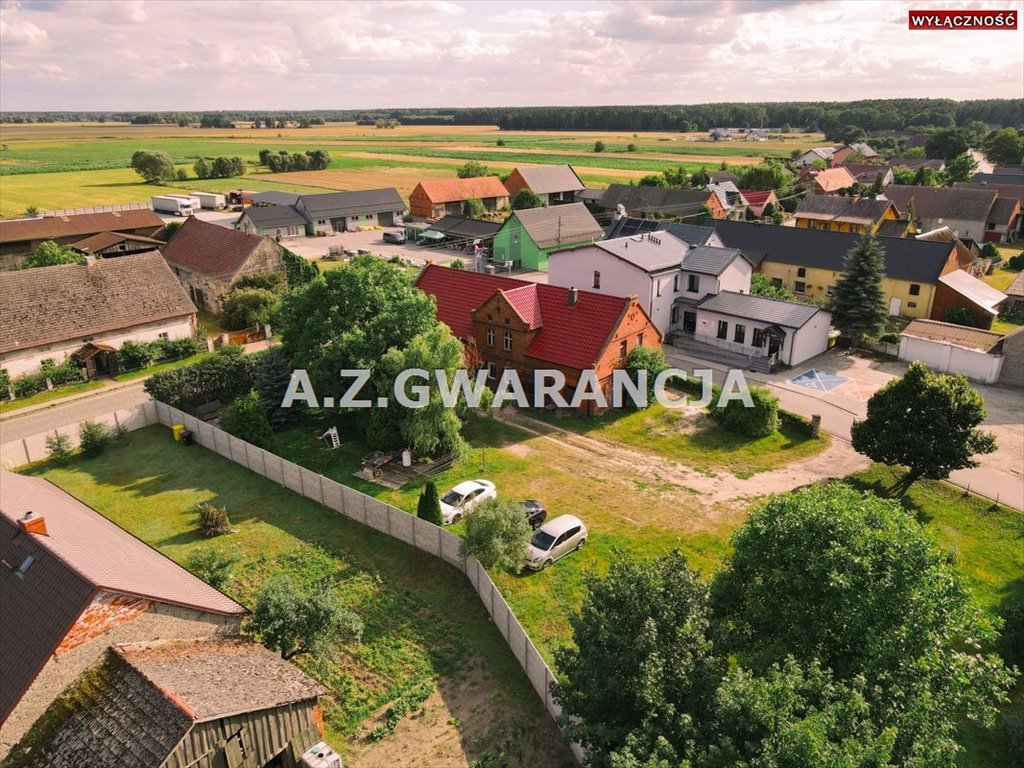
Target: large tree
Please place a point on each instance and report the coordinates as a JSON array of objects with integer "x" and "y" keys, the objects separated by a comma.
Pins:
[
  {"x": 960, "y": 168},
  {"x": 153, "y": 166},
  {"x": 472, "y": 169},
  {"x": 858, "y": 301},
  {"x": 497, "y": 534},
  {"x": 526, "y": 198},
  {"x": 292, "y": 622},
  {"x": 48, "y": 253},
  {"x": 834, "y": 577},
  {"x": 1004, "y": 147},
  {"x": 947, "y": 144},
  {"x": 925, "y": 421},
  {"x": 639, "y": 676}
]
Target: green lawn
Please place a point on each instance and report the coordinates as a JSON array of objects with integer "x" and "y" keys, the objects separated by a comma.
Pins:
[
  {"x": 423, "y": 621},
  {"x": 161, "y": 367},
  {"x": 1001, "y": 278},
  {"x": 44, "y": 397}
]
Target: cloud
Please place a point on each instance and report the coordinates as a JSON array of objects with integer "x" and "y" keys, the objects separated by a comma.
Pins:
[{"x": 21, "y": 34}]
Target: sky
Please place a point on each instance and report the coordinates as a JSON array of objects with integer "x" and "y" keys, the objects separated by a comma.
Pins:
[{"x": 152, "y": 55}]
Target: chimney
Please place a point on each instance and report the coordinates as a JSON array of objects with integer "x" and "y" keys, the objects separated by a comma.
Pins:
[
  {"x": 573, "y": 296},
  {"x": 33, "y": 523}
]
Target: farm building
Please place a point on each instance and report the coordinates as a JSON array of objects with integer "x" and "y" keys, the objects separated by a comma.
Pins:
[
  {"x": 89, "y": 310},
  {"x": 553, "y": 184},
  {"x": 20, "y": 237},
  {"x": 1012, "y": 374},
  {"x": 528, "y": 236},
  {"x": 351, "y": 211},
  {"x": 517, "y": 325},
  {"x": 826, "y": 181},
  {"x": 108, "y": 244},
  {"x": 1015, "y": 293},
  {"x": 460, "y": 231},
  {"x": 965, "y": 211},
  {"x": 647, "y": 202},
  {"x": 440, "y": 197},
  {"x": 949, "y": 348},
  {"x": 208, "y": 259},
  {"x": 75, "y": 584},
  {"x": 277, "y": 221},
  {"x": 959, "y": 289}
]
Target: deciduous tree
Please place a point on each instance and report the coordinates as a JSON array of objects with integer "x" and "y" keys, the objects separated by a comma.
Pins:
[
  {"x": 497, "y": 534},
  {"x": 1004, "y": 147},
  {"x": 153, "y": 166},
  {"x": 526, "y": 198},
  {"x": 48, "y": 253},
  {"x": 287, "y": 620}
]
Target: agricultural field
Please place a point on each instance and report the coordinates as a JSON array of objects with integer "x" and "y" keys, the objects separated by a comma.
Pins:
[{"x": 71, "y": 165}]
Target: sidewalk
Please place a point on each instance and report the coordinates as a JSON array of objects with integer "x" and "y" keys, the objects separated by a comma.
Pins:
[{"x": 837, "y": 416}]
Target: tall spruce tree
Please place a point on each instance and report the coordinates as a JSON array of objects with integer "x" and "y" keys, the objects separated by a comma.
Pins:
[{"x": 858, "y": 303}]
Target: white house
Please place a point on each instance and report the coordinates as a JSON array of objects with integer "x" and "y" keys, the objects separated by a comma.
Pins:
[
  {"x": 818, "y": 153},
  {"x": 657, "y": 267},
  {"x": 950, "y": 348}
]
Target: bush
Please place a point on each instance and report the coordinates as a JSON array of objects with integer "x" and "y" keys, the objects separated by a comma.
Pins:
[
  {"x": 28, "y": 385},
  {"x": 759, "y": 421},
  {"x": 270, "y": 281},
  {"x": 222, "y": 376},
  {"x": 246, "y": 307},
  {"x": 429, "y": 506},
  {"x": 960, "y": 316},
  {"x": 68, "y": 372},
  {"x": 497, "y": 534},
  {"x": 213, "y": 520},
  {"x": 212, "y": 566},
  {"x": 93, "y": 438},
  {"x": 132, "y": 355},
  {"x": 176, "y": 349},
  {"x": 5, "y": 383},
  {"x": 246, "y": 420},
  {"x": 631, "y": 147},
  {"x": 58, "y": 449},
  {"x": 599, "y": 146},
  {"x": 1016, "y": 263}
]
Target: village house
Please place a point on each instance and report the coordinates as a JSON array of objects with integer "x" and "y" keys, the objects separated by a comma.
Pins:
[
  {"x": 868, "y": 173},
  {"x": 529, "y": 235},
  {"x": 667, "y": 202},
  {"x": 208, "y": 259},
  {"x": 844, "y": 214},
  {"x": 523, "y": 326},
  {"x": 1003, "y": 207},
  {"x": 968, "y": 212},
  {"x": 824, "y": 154},
  {"x": 808, "y": 262},
  {"x": 758, "y": 200},
  {"x": 1012, "y": 374},
  {"x": 691, "y": 234},
  {"x": 439, "y": 197},
  {"x": 657, "y": 267},
  {"x": 87, "y": 311},
  {"x": 826, "y": 181},
  {"x": 276, "y": 221},
  {"x": 720, "y": 134},
  {"x": 857, "y": 149},
  {"x": 553, "y": 184},
  {"x": 730, "y": 198},
  {"x": 756, "y": 134},
  {"x": 959, "y": 289},
  {"x": 73, "y": 584},
  {"x": 110, "y": 244},
  {"x": 917, "y": 163},
  {"x": 948, "y": 348},
  {"x": 351, "y": 211},
  {"x": 20, "y": 237},
  {"x": 1015, "y": 293},
  {"x": 717, "y": 177}
]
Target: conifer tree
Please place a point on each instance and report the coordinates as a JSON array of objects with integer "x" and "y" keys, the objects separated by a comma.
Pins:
[{"x": 858, "y": 303}]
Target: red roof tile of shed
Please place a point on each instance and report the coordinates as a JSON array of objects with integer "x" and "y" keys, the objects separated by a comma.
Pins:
[
  {"x": 453, "y": 190},
  {"x": 210, "y": 249}
]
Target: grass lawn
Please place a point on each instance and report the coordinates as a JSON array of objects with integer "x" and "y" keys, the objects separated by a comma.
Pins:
[
  {"x": 422, "y": 619},
  {"x": 161, "y": 367},
  {"x": 53, "y": 394},
  {"x": 1001, "y": 278}
]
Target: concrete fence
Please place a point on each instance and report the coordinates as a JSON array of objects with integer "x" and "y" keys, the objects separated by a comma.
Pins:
[{"x": 346, "y": 501}]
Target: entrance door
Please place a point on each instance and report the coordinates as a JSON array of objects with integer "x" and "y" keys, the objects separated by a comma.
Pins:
[
  {"x": 774, "y": 344},
  {"x": 895, "y": 305},
  {"x": 689, "y": 322}
]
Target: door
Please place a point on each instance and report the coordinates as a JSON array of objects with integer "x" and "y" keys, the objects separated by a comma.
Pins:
[
  {"x": 565, "y": 543},
  {"x": 689, "y": 322},
  {"x": 774, "y": 344},
  {"x": 386, "y": 218},
  {"x": 895, "y": 305}
]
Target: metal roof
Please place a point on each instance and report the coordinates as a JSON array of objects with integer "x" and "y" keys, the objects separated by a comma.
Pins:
[
  {"x": 568, "y": 224},
  {"x": 651, "y": 252},
  {"x": 336, "y": 204},
  {"x": 974, "y": 290},
  {"x": 957, "y": 335},
  {"x": 275, "y": 197},
  {"x": 788, "y": 314},
  {"x": 710, "y": 261},
  {"x": 264, "y": 216},
  {"x": 544, "y": 179}
]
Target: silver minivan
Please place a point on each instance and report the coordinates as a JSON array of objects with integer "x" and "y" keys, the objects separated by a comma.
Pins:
[{"x": 555, "y": 539}]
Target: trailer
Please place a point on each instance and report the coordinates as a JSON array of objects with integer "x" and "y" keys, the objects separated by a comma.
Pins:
[
  {"x": 210, "y": 200},
  {"x": 179, "y": 206}
]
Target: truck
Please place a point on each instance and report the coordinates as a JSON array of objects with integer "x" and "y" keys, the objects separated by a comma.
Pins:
[
  {"x": 179, "y": 206},
  {"x": 210, "y": 200}
]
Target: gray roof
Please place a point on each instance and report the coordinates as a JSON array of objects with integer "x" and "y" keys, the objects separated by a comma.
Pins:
[
  {"x": 594, "y": 195},
  {"x": 275, "y": 197},
  {"x": 788, "y": 314},
  {"x": 1002, "y": 211},
  {"x": 463, "y": 226},
  {"x": 544, "y": 179},
  {"x": 840, "y": 208},
  {"x": 651, "y": 252},
  {"x": 943, "y": 202},
  {"x": 663, "y": 200},
  {"x": 710, "y": 261},
  {"x": 568, "y": 224},
  {"x": 267, "y": 216},
  {"x": 863, "y": 148},
  {"x": 1016, "y": 288},
  {"x": 688, "y": 233},
  {"x": 917, "y": 261},
  {"x": 336, "y": 204}
]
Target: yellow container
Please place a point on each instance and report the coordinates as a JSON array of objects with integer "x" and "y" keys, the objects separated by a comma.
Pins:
[{"x": 177, "y": 429}]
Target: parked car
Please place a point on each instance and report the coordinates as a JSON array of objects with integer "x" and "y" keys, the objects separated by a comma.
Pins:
[
  {"x": 535, "y": 513},
  {"x": 395, "y": 236},
  {"x": 457, "y": 503},
  {"x": 555, "y": 539}
]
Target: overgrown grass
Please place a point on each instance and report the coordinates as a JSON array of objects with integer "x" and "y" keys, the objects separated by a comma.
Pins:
[{"x": 422, "y": 620}]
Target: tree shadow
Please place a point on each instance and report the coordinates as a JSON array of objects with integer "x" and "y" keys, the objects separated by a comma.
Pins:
[{"x": 897, "y": 492}]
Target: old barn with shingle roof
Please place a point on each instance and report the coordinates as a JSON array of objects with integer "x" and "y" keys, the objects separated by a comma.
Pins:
[
  {"x": 553, "y": 184},
  {"x": 51, "y": 312},
  {"x": 438, "y": 197}
]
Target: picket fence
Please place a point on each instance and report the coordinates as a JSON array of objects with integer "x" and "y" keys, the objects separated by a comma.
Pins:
[{"x": 349, "y": 502}]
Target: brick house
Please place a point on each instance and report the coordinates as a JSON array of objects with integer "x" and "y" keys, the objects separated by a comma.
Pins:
[
  {"x": 73, "y": 584},
  {"x": 208, "y": 259},
  {"x": 440, "y": 197},
  {"x": 515, "y": 324}
]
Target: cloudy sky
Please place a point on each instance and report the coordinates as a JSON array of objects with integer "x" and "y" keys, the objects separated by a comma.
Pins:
[{"x": 317, "y": 54}]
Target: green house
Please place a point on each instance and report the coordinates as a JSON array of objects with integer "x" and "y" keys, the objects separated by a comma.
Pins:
[{"x": 529, "y": 235}]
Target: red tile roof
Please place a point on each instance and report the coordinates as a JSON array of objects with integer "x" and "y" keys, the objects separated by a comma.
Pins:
[
  {"x": 453, "y": 190},
  {"x": 572, "y": 336},
  {"x": 49, "y": 227},
  {"x": 756, "y": 196},
  {"x": 210, "y": 249}
]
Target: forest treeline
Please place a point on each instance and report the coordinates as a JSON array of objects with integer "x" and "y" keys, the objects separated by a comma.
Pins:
[{"x": 878, "y": 115}]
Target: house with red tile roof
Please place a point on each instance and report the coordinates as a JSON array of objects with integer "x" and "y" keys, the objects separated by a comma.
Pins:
[
  {"x": 440, "y": 197},
  {"x": 826, "y": 181},
  {"x": 208, "y": 259},
  {"x": 72, "y": 583},
  {"x": 758, "y": 200},
  {"x": 515, "y": 324}
]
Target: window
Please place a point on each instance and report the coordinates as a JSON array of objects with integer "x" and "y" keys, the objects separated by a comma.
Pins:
[
  {"x": 597, "y": 280},
  {"x": 658, "y": 289},
  {"x": 723, "y": 329},
  {"x": 777, "y": 282},
  {"x": 692, "y": 283},
  {"x": 759, "y": 338},
  {"x": 675, "y": 284},
  {"x": 622, "y": 348},
  {"x": 675, "y": 315},
  {"x": 912, "y": 304},
  {"x": 801, "y": 272},
  {"x": 639, "y": 339},
  {"x": 915, "y": 289},
  {"x": 991, "y": 225},
  {"x": 492, "y": 370},
  {"x": 508, "y": 341},
  {"x": 799, "y": 286},
  {"x": 739, "y": 333},
  {"x": 26, "y": 564},
  {"x": 163, "y": 336},
  {"x": 490, "y": 337}
]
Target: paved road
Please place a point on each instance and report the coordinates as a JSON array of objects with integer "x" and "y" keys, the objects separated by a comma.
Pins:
[
  {"x": 837, "y": 420},
  {"x": 17, "y": 426}
]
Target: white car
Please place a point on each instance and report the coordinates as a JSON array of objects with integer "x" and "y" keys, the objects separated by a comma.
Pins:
[
  {"x": 555, "y": 539},
  {"x": 457, "y": 503}
]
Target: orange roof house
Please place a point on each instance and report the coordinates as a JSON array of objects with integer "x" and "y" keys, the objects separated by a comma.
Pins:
[{"x": 441, "y": 197}]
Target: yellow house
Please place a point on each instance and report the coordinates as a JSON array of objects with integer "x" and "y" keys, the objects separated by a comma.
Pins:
[
  {"x": 808, "y": 262},
  {"x": 835, "y": 213}
]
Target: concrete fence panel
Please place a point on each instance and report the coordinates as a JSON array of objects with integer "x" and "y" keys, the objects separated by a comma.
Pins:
[
  {"x": 517, "y": 640},
  {"x": 538, "y": 672},
  {"x": 206, "y": 436},
  {"x": 275, "y": 468},
  {"x": 473, "y": 569},
  {"x": 134, "y": 418},
  {"x": 163, "y": 414},
  {"x": 450, "y": 545},
  {"x": 334, "y": 497},
  {"x": 377, "y": 515},
  {"x": 311, "y": 485},
  {"x": 485, "y": 589},
  {"x": 176, "y": 416},
  {"x": 402, "y": 526},
  {"x": 428, "y": 536},
  {"x": 355, "y": 504},
  {"x": 501, "y": 614},
  {"x": 292, "y": 476},
  {"x": 238, "y": 450}
]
